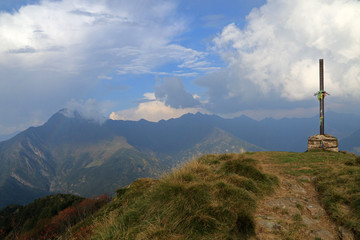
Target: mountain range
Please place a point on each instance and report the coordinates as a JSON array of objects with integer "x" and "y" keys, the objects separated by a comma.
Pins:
[{"x": 79, "y": 156}]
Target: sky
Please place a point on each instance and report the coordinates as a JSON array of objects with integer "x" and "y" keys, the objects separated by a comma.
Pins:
[{"x": 160, "y": 59}]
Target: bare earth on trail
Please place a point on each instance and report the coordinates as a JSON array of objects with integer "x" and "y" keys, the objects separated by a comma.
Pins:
[{"x": 293, "y": 211}]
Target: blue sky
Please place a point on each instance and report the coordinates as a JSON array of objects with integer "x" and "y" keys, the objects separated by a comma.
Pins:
[{"x": 160, "y": 59}]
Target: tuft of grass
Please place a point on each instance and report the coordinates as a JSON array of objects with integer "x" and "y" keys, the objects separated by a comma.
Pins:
[{"x": 213, "y": 197}]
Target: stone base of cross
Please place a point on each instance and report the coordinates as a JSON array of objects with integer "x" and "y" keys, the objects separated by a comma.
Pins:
[{"x": 323, "y": 142}]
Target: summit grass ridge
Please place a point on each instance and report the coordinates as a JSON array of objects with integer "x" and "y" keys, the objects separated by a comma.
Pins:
[
  {"x": 213, "y": 197},
  {"x": 236, "y": 196},
  {"x": 217, "y": 195}
]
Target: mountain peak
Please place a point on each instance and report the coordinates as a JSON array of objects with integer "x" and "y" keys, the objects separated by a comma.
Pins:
[
  {"x": 83, "y": 114},
  {"x": 199, "y": 115}
]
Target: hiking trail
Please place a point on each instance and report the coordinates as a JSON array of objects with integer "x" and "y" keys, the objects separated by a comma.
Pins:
[{"x": 294, "y": 211}]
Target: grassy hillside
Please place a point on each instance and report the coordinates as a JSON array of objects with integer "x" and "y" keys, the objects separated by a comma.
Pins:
[
  {"x": 48, "y": 217},
  {"x": 27, "y": 222},
  {"x": 213, "y": 197},
  {"x": 216, "y": 197}
]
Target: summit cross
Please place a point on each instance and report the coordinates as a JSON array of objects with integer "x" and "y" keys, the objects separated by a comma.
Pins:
[
  {"x": 321, "y": 96},
  {"x": 322, "y": 141}
]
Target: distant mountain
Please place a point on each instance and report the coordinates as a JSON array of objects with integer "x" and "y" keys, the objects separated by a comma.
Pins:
[
  {"x": 341, "y": 125},
  {"x": 351, "y": 143},
  {"x": 7, "y": 136},
  {"x": 218, "y": 141},
  {"x": 78, "y": 156},
  {"x": 69, "y": 155}
]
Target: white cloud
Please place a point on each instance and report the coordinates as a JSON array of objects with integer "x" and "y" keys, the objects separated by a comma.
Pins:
[
  {"x": 277, "y": 53},
  {"x": 60, "y": 50},
  {"x": 152, "y": 111},
  {"x": 141, "y": 61},
  {"x": 65, "y": 35},
  {"x": 90, "y": 109},
  {"x": 150, "y": 96},
  {"x": 104, "y": 77}
]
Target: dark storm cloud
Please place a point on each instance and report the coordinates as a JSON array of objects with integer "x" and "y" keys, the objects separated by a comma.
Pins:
[{"x": 172, "y": 91}]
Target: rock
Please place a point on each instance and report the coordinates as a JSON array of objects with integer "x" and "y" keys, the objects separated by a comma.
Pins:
[
  {"x": 305, "y": 178},
  {"x": 309, "y": 222},
  {"x": 326, "y": 142},
  {"x": 270, "y": 223},
  {"x": 271, "y": 226},
  {"x": 288, "y": 204},
  {"x": 345, "y": 234},
  {"x": 324, "y": 235},
  {"x": 294, "y": 187},
  {"x": 315, "y": 210}
]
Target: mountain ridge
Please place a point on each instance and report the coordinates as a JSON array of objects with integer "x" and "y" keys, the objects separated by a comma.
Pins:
[
  {"x": 69, "y": 153},
  {"x": 79, "y": 156}
]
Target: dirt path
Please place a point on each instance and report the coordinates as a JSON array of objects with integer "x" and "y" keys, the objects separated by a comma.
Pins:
[{"x": 294, "y": 211}]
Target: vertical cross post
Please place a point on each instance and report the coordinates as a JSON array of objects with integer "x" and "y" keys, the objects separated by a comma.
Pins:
[
  {"x": 322, "y": 98},
  {"x": 322, "y": 141}
]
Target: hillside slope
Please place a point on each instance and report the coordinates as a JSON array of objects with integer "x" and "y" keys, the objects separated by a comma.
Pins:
[
  {"x": 213, "y": 197},
  {"x": 238, "y": 196},
  {"x": 259, "y": 195},
  {"x": 351, "y": 143}
]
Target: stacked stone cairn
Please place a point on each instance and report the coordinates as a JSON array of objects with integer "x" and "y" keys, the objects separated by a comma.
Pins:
[{"x": 323, "y": 142}]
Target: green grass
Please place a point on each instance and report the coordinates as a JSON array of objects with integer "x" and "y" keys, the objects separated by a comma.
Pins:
[{"x": 213, "y": 197}]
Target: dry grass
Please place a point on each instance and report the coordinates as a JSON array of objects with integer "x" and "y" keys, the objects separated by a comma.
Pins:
[
  {"x": 213, "y": 197},
  {"x": 336, "y": 178}
]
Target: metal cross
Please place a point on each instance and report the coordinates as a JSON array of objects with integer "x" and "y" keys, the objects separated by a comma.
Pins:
[{"x": 321, "y": 95}]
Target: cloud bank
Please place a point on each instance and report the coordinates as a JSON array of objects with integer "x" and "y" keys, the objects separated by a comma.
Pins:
[
  {"x": 153, "y": 110},
  {"x": 55, "y": 51},
  {"x": 172, "y": 92},
  {"x": 273, "y": 60},
  {"x": 90, "y": 110}
]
